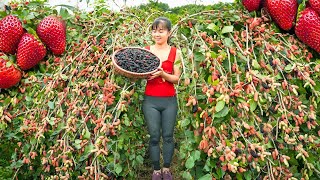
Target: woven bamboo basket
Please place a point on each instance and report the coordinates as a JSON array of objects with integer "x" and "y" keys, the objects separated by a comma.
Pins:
[{"x": 118, "y": 69}]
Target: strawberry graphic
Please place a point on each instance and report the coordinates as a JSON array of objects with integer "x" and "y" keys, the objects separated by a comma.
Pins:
[
  {"x": 251, "y": 5},
  {"x": 9, "y": 74},
  {"x": 52, "y": 32},
  {"x": 283, "y": 12},
  {"x": 308, "y": 28},
  {"x": 11, "y": 31},
  {"x": 30, "y": 52}
]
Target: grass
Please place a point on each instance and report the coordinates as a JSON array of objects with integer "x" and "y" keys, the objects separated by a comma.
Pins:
[{"x": 146, "y": 170}]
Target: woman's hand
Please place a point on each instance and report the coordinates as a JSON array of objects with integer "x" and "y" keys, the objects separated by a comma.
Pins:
[{"x": 156, "y": 74}]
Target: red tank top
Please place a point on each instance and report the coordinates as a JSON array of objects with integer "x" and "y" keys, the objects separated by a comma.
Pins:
[{"x": 158, "y": 86}]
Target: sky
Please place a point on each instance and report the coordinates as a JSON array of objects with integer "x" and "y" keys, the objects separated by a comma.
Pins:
[{"x": 117, "y": 4}]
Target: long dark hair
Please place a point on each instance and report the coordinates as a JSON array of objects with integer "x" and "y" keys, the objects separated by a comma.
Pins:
[{"x": 163, "y": 21}]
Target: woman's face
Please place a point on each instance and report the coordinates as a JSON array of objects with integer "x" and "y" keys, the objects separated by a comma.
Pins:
[{"x": 160, "y": 35}]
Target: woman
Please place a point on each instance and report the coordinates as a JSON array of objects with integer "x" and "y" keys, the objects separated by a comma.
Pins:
[{"x": 160, "y": 102}]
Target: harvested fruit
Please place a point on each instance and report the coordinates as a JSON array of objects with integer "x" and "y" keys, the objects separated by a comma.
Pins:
[
  {"x": 11, "y": 31},
  {"x": 52, "y": 32},
  {"x": 308, "y": 28},
  {"x": 251, "y": 5},
  {"x": 30, "y": 52},
  {"x": 9, "y": 74},
  {"x": 315, "y": 4},
  {"x": 137, "y": 60},
  {"x": 283, "y": 12}
]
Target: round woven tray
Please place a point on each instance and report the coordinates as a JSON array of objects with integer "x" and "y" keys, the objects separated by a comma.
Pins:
[{"x": 118, "y": 69}]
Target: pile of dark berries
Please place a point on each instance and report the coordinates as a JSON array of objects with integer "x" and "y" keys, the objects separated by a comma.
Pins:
[{"x": 137, "y": 60}]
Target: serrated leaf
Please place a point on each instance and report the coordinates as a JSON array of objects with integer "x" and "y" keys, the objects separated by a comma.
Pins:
[
  {"x": 220, "y": 105},
  {"x": 227, "y": 29}
]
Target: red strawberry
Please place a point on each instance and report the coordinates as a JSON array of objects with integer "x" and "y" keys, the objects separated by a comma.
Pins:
[
  {"x": 9, "y": 75},
  {"x": 11, "y": 31},
  {"x": 308, "y": 28},
  {"x": 283, "y": 12},
  {"x": 251, "y": 5},
  {"x": 52, "y": 32},
  {"x": 315, "y": 4},
  {"x": 30, "y": 52}
]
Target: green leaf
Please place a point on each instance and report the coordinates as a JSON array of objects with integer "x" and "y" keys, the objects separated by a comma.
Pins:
[
  {"x": 51, "y": 121},
  {"x": 77, "y": 144},
  {"x": 239, "y": 176},
  {"x": 288, "y": 68},
  {"x": 227, "y": 42},
  {"x": 185, "y": 122},
  {"x": 219, "y": 173},
  {"x": 222, "y": 113},
  {"x": 196, "y": 155},
  {"x": 139, "y": 159},
  {"x": 227, "y": 29},
  {"x": 190, "y": 162},
  {"x": 186, "y": 175},
  {"x": 51, "y": 104},
  {"x": 118, "y": 168},
  {"x": 247, "y": 175},
  {"x": 220, "y": 106},
  {"x": 253, "y": 105},
  {"x": 255, "y": 64},
  {"x": 213, "y": 27},
  {"x": 60, "y": 113},
  {"x": 206, "y": 177},
  {"x": 198, "y": 56},
  {"x": 86, "y": 134}
]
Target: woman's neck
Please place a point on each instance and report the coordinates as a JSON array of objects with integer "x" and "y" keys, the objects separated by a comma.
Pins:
[{"x": 161, "y": 46}]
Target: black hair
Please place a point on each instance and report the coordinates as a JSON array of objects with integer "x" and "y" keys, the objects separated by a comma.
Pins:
[{"x": 163, "y": 21}]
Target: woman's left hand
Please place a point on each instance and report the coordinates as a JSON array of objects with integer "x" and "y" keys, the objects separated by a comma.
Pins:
[{"x": 156, "y": 74}]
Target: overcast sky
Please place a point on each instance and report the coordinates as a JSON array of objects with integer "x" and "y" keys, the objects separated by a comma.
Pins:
[{"x": 117, "y": 4}]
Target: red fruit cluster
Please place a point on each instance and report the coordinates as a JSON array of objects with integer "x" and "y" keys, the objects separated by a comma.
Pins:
[{"x": 30, "y": 51}]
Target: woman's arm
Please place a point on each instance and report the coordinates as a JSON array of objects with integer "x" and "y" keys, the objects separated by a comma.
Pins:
[{"x": 173, "y": 78}]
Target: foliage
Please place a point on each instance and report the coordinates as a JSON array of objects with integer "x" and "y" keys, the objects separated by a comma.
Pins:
[{"x": 248, "y": 99}]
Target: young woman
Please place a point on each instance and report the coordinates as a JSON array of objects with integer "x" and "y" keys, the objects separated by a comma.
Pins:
[{"x": 160, "y": 102}]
